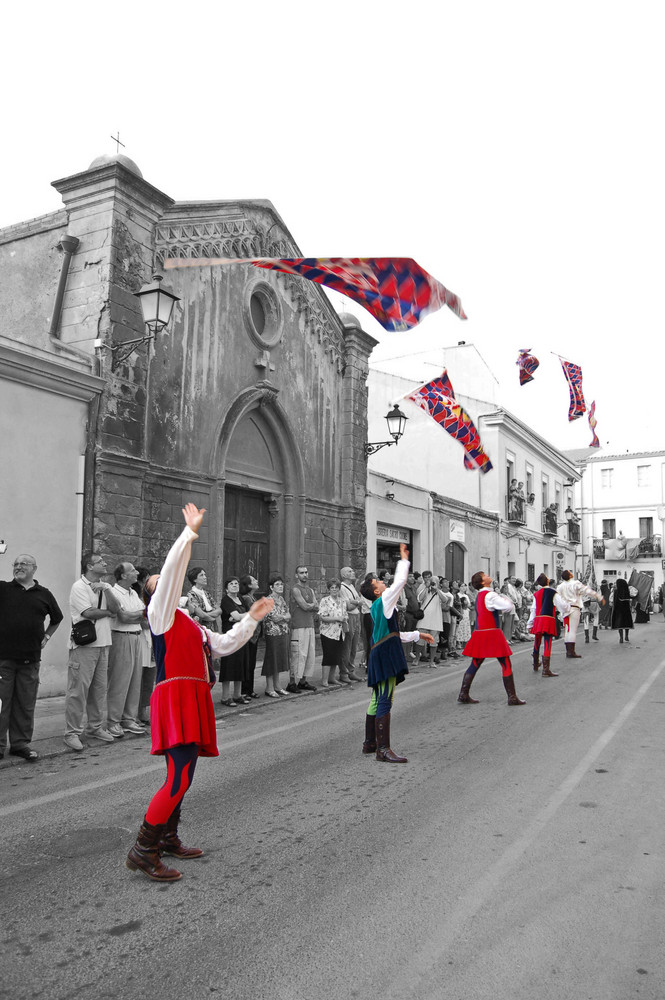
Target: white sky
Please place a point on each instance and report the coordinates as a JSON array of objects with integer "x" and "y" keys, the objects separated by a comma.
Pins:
[{"x": 514, "y": 149}]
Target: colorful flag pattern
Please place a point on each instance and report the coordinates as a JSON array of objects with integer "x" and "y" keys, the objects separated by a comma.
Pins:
[
  {"x": 395, "y": 290},
  {"x": 528, "y": 364},
  {"x": 573, "y": 374},
  {"x": 595, "y": 443},
  {"x": 437, "y": 398}
]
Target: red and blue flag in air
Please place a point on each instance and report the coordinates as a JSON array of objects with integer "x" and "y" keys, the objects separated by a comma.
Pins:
[
  {"x": 528, "y": 364},
  {"x": 397, "y": 291},
  {"x": 595, "y": 443},
  {"x": 573, "y": 374},
  {"x": 437, "y": 398}
]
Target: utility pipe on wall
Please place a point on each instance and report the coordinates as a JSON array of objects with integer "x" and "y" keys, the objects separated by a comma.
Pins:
[{"x": 69, "y": 245}]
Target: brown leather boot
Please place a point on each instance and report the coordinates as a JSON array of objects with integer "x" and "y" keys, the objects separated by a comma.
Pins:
[
  {"x": 369, "y": 746},
  {"x": 464, "y": 697},
  {"x": 509, "y": 684},
  {"x": 383, "y": 751},
  {"x": 546, "y": 668},
  {"x": 144, "y": 855},
  {"x": 170, "y": 842},
  {"x": 570, "y": 652}
]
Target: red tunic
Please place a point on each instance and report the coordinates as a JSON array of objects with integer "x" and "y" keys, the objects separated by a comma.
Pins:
[
  {"x": 181, "y": 709},
  {"x": 544, "y": 622},
  {"x": 487, "y": 639}
]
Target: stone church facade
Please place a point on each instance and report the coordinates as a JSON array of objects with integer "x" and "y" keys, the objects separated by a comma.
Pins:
[{"x": 252, "y": 403}]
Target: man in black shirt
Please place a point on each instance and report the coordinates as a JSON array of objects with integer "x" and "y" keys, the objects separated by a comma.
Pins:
[{"x": 24, "y": 606}]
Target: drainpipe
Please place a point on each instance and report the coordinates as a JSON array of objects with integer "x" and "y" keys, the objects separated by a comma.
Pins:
[{"x": 69, "y": 245}]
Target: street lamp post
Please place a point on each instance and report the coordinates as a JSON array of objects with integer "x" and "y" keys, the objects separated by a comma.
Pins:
[
  {"x": 396, "y": 421},
  {"x": 157, "y": 302}
]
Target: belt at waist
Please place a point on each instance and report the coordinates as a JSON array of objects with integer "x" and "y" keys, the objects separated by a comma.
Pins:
[{"x": 125, "y": 631}]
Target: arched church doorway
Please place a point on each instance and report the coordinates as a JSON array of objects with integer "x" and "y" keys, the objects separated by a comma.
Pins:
[
  {"x": 254, "y": 487},
  {"x": 246, "y": 535},
  {"x": 455, "y": 561}
]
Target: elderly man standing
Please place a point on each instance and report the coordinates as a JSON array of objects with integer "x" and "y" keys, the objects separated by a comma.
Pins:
[
  {"x": 24, "y": 607},
  {"x": 303, "y": 639},
  {"x": 352, "y": 600},
  {"x": 125, "y": 666},
  {"x": 93, "y": 600}
]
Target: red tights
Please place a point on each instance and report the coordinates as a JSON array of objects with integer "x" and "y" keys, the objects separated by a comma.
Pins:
[
  {"x": 547, "y": 644},
  {"x": 180, "y": 764},
  {"x": 506, "y": 668}
]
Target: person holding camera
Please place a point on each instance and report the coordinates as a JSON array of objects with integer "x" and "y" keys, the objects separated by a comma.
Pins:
[{"x": 92, "y": 603}]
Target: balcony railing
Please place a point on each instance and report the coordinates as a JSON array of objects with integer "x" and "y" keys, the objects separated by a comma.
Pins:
[
  {"x": 573, "y": 531},
  {"x": 650, "y": 546},
  {"x": 516, "y": 509},
  {"x": 549, "y": 522}
]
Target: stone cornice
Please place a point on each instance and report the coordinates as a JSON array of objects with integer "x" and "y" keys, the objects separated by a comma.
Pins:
[
  {"x": 44, "y": 372},
  {"x": 91, "y": 185},
  {"x": 528, "y": 438}
]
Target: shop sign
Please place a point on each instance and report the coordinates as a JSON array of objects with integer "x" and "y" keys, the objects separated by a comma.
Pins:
[
  {"x": 457, "y": 529},
  {"x": 390, "y": 533}
]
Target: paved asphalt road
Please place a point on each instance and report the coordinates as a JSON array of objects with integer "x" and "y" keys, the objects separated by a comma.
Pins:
[{"x": 519, "y": 854}]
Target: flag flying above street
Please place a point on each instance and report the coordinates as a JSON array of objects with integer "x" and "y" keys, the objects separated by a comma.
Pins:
[
  {"x": 395, "y": 290},
  {"x": 528, "y": 364},
  {"x": 573, "y": 374},
  {"x": 595, "y": 443},
  {"x": 437, "y": 398}
]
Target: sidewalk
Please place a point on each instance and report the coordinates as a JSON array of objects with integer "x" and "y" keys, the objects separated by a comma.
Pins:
[
  {"x": 50, "y": 713},
  {"x": 48, "y": 734}
]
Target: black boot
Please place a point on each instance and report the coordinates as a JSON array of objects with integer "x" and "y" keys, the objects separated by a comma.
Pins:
[
  {"x": 621, "y": 635},
  {"x": 144, "y": 855},
  {"x": 595, "y": 633},
  {"x": 627, "y": 635},
  {"x": 586, "y": 634},
  {"x": 383, "y": 751},
  {"x": 464, "y": 697},
  {"x": 369, "y": 746},
  {"x": 170, "y": 842},
  {"x": 536, "y": 659},
  {"x": 509, "y": 684}
]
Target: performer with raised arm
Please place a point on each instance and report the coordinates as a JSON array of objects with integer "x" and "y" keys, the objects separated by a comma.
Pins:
[
  {"x": 573, "y": 591},
  {"x": 488, "y": 639},
  {"x": 386, "y": 666},
  {"x": 542, "y": 624},
  {"x": 181, "y": 712}
]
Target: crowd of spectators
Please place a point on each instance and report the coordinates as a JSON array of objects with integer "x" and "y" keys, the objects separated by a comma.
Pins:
[{"x": 111, "y": 672}]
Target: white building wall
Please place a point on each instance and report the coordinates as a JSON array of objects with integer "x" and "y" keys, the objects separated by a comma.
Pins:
[
  {"x": 430, "y": 458},
  {"x": 619, "y": 497}
]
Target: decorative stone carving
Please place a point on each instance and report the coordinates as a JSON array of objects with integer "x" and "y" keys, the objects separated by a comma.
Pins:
[{"x": 241, "y": 237}]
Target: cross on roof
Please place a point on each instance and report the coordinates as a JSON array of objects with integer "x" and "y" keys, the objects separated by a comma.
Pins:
[{"x": 116, "y": 139}]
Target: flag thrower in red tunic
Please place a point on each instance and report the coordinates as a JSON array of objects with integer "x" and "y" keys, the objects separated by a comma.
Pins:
[
  {"x": 397, "y": 291},
  {"x": 437, "y": 399},
  {"x": 487, "y": 639}
]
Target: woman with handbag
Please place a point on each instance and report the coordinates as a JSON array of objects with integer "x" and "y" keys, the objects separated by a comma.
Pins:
[{"x": 181, "y": 712}]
